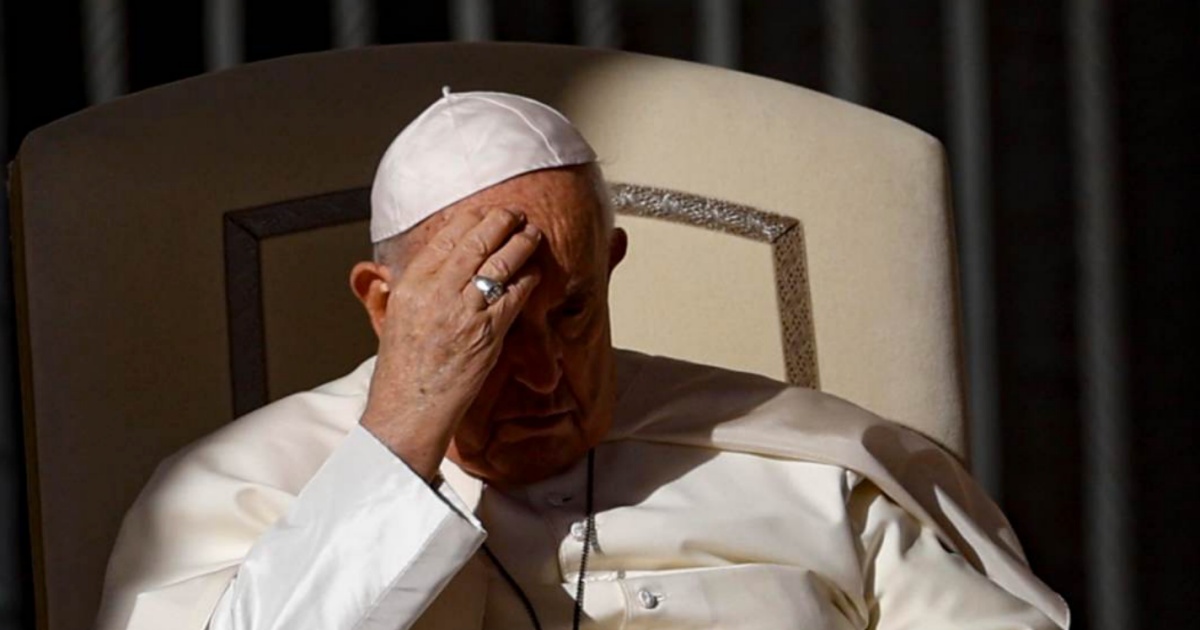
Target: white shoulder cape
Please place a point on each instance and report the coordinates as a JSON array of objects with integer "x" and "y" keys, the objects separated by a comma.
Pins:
[{"x": 203, "y": 509}]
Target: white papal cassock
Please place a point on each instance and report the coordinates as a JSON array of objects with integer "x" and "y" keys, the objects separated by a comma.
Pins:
[{"x": 722, "y": 500}]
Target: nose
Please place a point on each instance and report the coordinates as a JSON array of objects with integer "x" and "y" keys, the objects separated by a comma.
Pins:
[{"x": 535, "y": 356}]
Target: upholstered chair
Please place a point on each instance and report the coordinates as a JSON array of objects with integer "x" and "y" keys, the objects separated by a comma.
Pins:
[{"x": 181, "y": 254}]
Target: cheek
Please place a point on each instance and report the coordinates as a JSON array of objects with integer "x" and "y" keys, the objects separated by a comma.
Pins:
[
  {"x": 474, "y": 431},
  {"x": 587, "y": 364}
]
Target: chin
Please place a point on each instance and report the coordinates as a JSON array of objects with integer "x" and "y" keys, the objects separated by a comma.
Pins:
[
  {"x": 535, "y": 462},
  {"x": 528, "y": 450},
  {"x": 532, "y": 460}
]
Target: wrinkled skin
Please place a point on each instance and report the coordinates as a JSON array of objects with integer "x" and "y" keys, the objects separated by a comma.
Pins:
[{"x": 516, "y": 391}]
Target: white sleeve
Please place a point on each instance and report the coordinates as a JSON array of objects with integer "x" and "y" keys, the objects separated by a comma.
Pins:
[
  {"x": 367, "y": 544},
  {"x": 915, "y": 583}
]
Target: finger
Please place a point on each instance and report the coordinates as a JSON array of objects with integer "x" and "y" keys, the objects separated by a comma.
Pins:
[
  {"x": 505, "y": 263},
  {"x": 505, "y": 310},
  {"x": 478, "y": 244},
  {"x": 444, "y": 241}
]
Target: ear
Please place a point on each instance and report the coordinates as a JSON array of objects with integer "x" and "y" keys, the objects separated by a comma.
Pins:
[
  {"x": 370, "y": 283},
  {"x": 618, "y": 243}
]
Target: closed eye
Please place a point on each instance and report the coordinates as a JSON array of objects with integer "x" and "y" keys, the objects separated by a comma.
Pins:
[{"x": 574, "y": 307}]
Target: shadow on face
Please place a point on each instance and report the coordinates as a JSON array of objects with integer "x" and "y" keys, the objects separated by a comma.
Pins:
[{"x": 550, "y": 397}]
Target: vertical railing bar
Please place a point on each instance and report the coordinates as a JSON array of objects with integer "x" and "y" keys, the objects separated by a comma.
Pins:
[
  {"x": 845, "y": 57},
  {"x": 353, "y": 23},
  {"x": 104, "y": 50},
  {"x": 719, "y": 29},
  {"x": 13, "y": 598},
  {"x": 970, "y": 150},
  {"x": 598, "y": 23},
  {"x": 1099, "y": 306},
  {"x": 471, "y": 20},
  {"x": 223, "y": 34},
  {"x": 3, "y": 90}
]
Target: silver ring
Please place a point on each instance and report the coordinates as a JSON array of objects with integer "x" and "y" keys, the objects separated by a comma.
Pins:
[{"x": 492, "y": 290}]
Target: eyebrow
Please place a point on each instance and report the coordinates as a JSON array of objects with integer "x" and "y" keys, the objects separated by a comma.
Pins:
[{"x": 577, "y": 288}]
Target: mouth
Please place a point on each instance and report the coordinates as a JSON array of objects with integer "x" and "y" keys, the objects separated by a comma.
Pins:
[{"x": 539, "y": 421}]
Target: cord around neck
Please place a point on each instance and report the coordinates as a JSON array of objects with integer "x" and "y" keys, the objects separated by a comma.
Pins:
[{"x": 589, "y": 535}]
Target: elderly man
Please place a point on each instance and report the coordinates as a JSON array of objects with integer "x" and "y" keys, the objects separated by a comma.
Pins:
[{"x": 615, "y": 489}]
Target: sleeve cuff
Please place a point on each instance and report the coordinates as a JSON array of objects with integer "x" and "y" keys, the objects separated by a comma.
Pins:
[{"x": 367, "y": 544}]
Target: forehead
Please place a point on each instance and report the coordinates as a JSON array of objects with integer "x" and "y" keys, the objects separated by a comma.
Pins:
[{"x": 563, "y": 204}]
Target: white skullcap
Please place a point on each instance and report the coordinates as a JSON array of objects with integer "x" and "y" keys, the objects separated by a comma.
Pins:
[{"x": 462, "y": 144}]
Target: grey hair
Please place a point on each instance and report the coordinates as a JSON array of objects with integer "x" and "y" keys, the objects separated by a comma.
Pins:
[
  {"x": 390, "y": 251},
  {"x": 608, "y": 211}
]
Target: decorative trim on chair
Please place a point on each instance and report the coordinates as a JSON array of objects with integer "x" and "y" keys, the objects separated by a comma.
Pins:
[
  {"x": 784, "y": 234},
  {"x": 245, "y": 230}
]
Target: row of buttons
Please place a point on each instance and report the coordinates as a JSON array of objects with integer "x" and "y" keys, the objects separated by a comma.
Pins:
[
  {"x": 579, "y": 531},
  {"x": 647, "y": 599}
]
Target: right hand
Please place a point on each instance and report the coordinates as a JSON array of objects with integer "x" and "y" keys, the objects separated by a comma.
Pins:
[{"x": 440, "y": 339}]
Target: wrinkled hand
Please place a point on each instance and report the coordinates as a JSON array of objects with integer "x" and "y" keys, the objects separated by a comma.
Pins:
[{"x": 440, "y": 339}]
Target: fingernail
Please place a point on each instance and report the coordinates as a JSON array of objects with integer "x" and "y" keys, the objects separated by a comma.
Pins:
[{"x": 532, "y": 231}]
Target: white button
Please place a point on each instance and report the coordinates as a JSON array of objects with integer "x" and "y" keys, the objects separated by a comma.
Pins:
[
  {"x": 579, "y": 530},
  {"x": 648, "y": 600},
  {"x": 558, "y": 499}
]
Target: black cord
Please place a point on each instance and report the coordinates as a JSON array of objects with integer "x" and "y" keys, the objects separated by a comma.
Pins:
[
  {"x": 513, "y": 583},
  {"x": 590, "y": 533}
]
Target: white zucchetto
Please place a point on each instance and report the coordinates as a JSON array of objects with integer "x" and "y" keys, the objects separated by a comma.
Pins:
[{"x": 462, "y": 144}]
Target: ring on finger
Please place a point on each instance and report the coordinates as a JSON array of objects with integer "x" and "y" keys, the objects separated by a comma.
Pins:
[{"x": 491, "y": 289}]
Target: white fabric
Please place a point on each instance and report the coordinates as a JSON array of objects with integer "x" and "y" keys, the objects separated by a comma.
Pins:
[
  {"x": 463, "y": 143},
  {"x": 749, "y": 535},
  {"x": 361, "y": 539},
  {"x": 829, "y": 551}
]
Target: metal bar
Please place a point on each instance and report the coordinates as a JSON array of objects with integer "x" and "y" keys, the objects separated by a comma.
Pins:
[
  {"x": 3, "y": 91},
  {"x": 845, "y": 59},
  {"x": 1105, "y": 401},
  {"x": 104, "y": 39},
  {"x": 353, "y": 23},
  {"x": 16, "y": 592},
  {"x": 598, "y": 23},
  {"x": 471, "y": 20},
  {"x": 223, "y": 34},
  {"x": 970, "y": 150},
  {"x": 719, "y": 30}
]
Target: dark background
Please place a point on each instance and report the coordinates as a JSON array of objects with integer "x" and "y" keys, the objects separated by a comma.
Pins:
[{"x": 1071, "y": 132}]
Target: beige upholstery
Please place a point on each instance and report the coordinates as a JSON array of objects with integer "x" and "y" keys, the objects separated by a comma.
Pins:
[{"x": 128, "y": 291}]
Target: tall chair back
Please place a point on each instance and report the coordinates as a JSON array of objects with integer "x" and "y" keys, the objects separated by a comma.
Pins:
[{"x": 181, "y": 254}]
